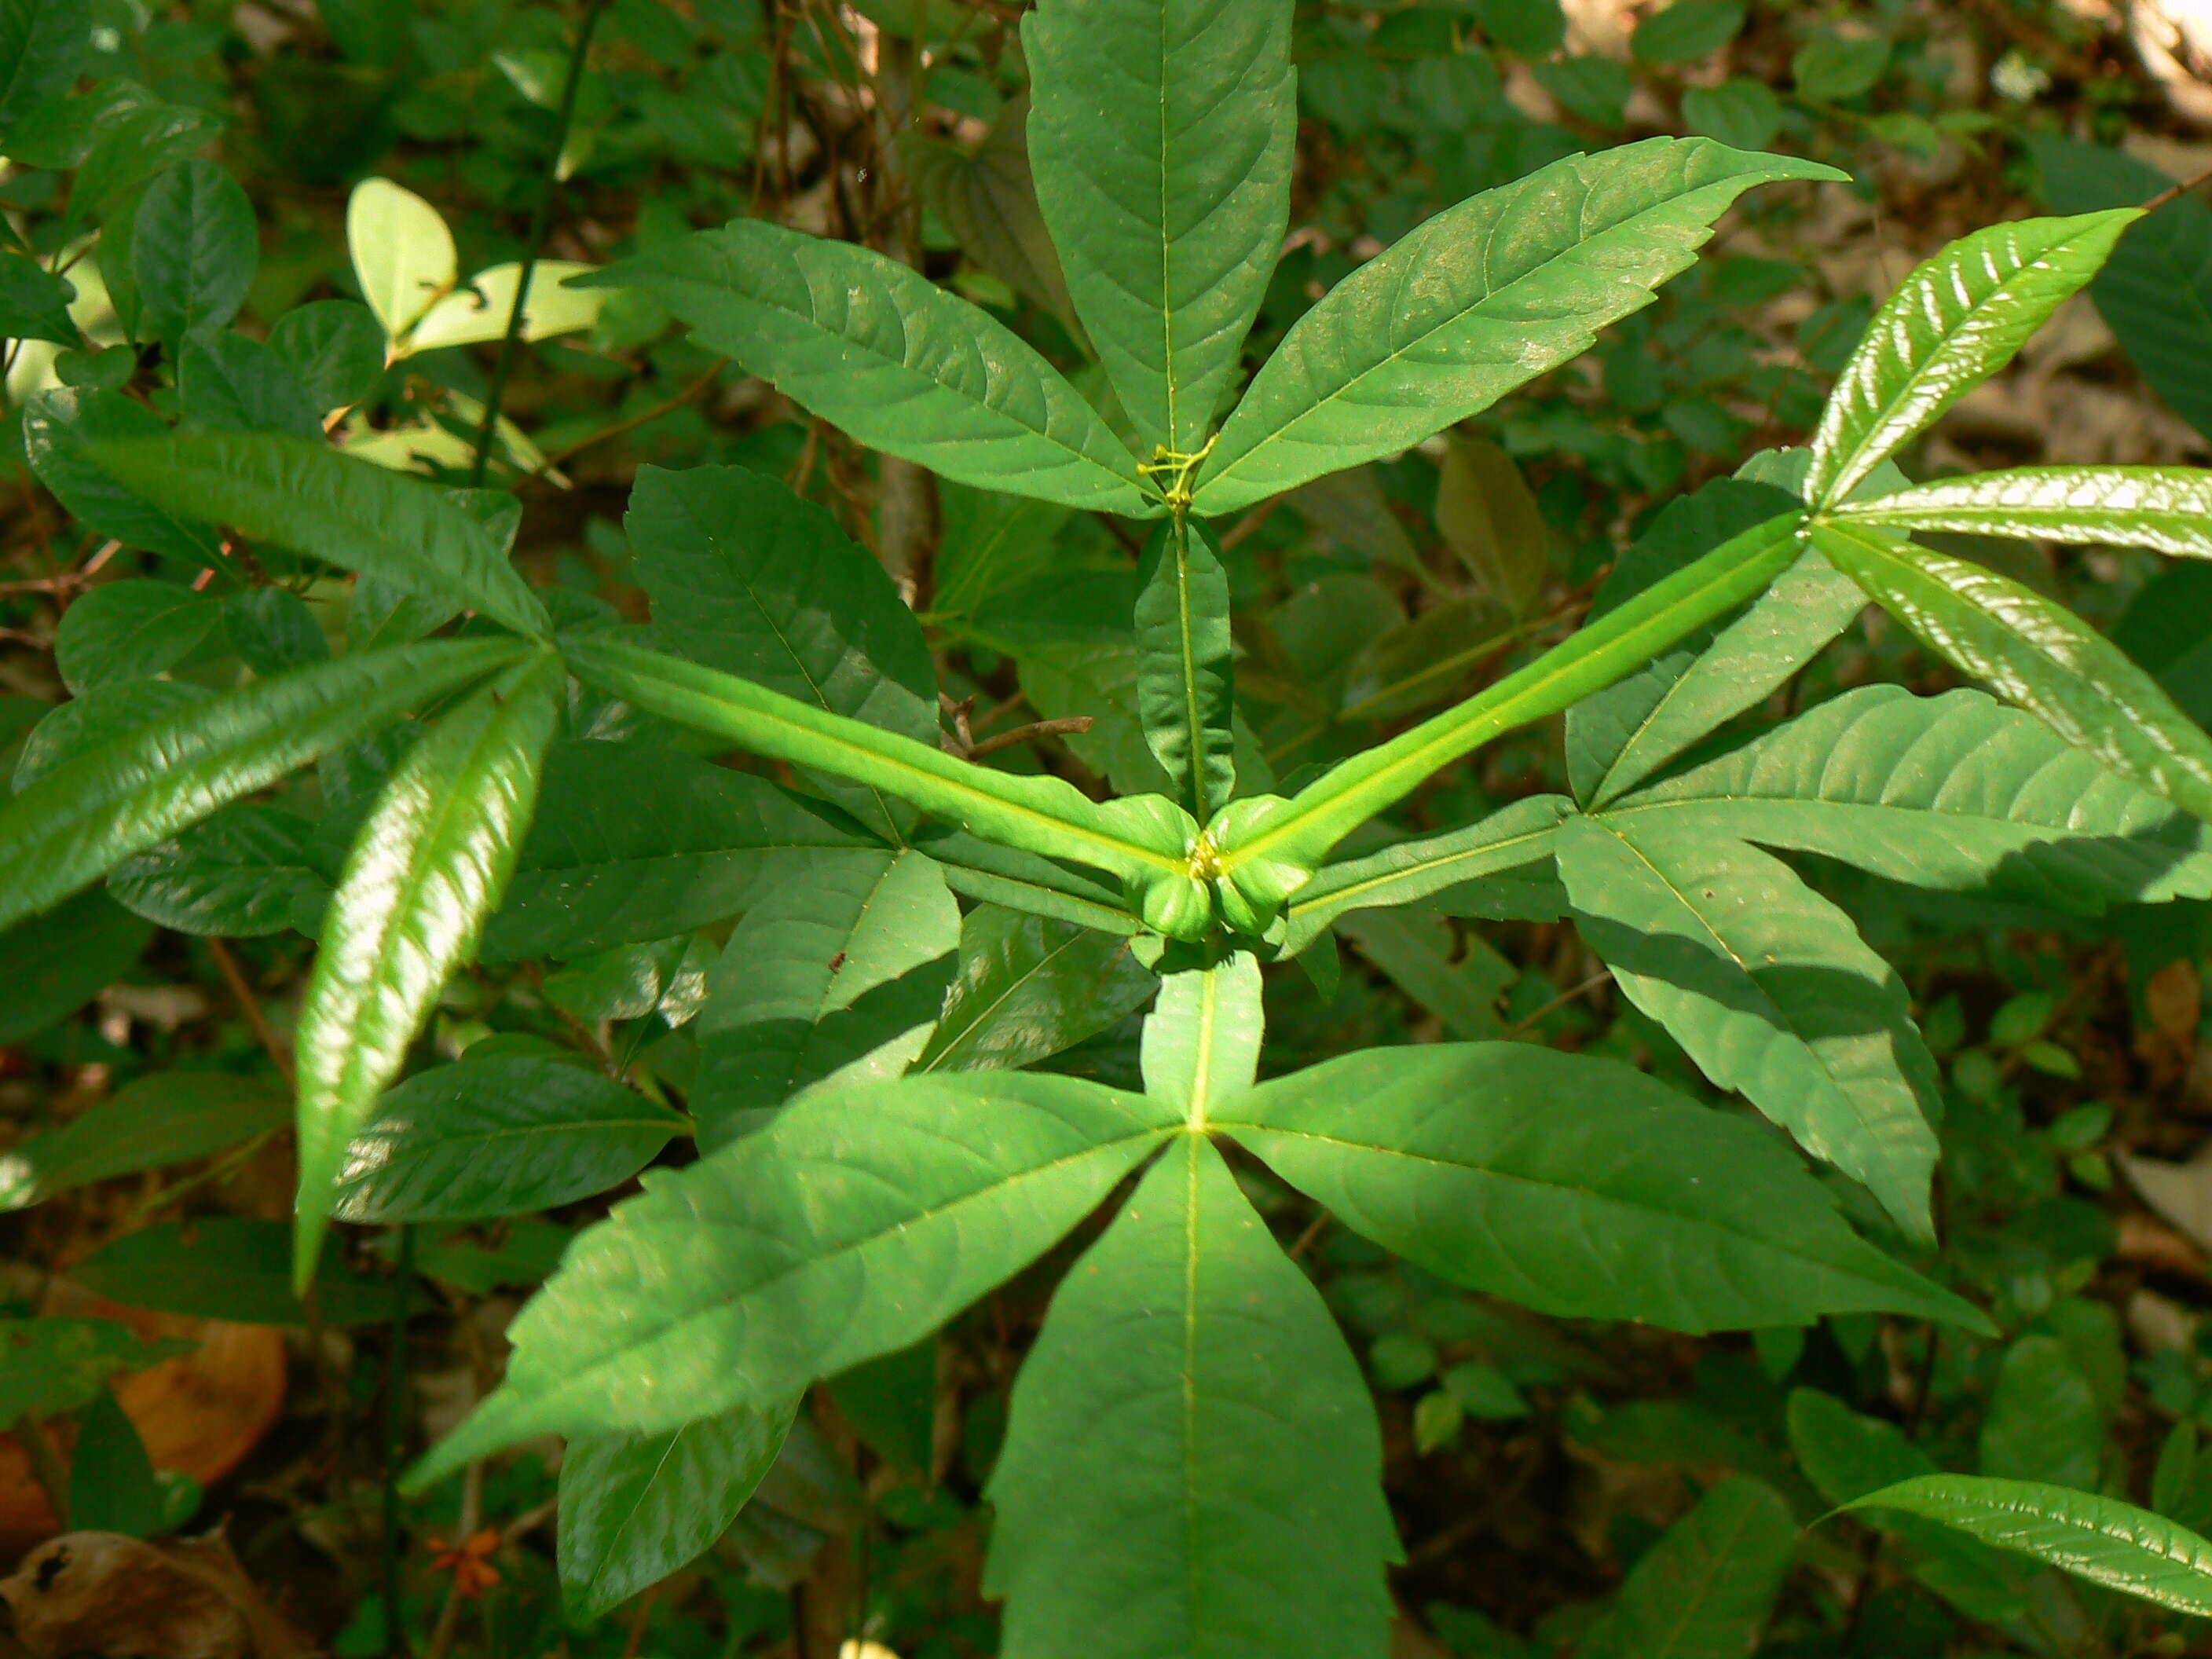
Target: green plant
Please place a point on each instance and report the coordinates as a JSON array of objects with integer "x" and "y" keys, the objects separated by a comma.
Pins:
[{"x": 1192, "y": 1458}]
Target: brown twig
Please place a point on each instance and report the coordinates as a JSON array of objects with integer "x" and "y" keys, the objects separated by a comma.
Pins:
[
  {"x": 249, "y": 1005},
  {"x": 1055, "y": 728},
  {"x": 1559, "y": 1002},
  {"x": 634, "y": 422},
  {"x": 2175, "y": 193}
]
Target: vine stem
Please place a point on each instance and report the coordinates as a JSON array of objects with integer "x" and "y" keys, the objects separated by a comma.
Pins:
[
  {"x": 541, "y": 225},
  {"x": 395, "y": 1441}
]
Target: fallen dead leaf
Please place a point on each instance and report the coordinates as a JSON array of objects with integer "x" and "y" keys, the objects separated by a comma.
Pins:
[
  {"x": 2175, "y": 1000},
  {"x": 103, "y": 1594},
  {"x": 2181, "y": 1193}
]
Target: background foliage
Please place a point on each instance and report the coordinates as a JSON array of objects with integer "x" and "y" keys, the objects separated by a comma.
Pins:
[{"x": 1556, "y": 1483}]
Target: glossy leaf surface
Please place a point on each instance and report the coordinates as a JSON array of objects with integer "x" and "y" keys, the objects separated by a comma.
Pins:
[
  {"x": 1161, "y": 136},
  {"x": 2037, "y": 654},
  {"x": 503, "y": 1136},
  {"x": 2167, "y": 509},
  {"x": 2100, "y": 1539},
  {"x": 1956, "y": 320},
  {"x": 130, "y": 791},
  {"x": 854, "y": 1224},
  {"x": 1573, "y": 1186},
  {"x": 351, "y": 513},
  {"x": 1772, "y": 991},
  {"x": 1481, "y": 299},
  {"x": 130, "y": 631},
  {"x": 426, "y": 869},
  {"x": 1201, "y": 1042},
  {"x": 879, "y": 350},
  {"x": 1229, "y": 1451}
]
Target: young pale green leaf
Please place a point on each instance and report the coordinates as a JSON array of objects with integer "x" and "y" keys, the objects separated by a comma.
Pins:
[
  {"x": 835, "y": 975},
  {"x": 632, "y": 841},
  {"x": 507, "y": 1135},
  {"x": 1183, "y": 665},
  {"x": 634, "y": 1508},
  {"x": 748, "y": 578},
  {"x": 1956, "y": 320},
  {"x": 854, "y": 1224},
  {"x": 1481, "y": 299},
  {"x": 2167, "y": 509},
  {"x": 137, "y": 789},
  {"x": 1770, "y": 988},
  {"x": 425, "y": 870},
  {"x": 879, "y": 350},
  {"x": 351, "y": 513},
  {"x": 1201, "y": 1042},
  {"x": 1215, "y": 1487},
  {"x": 1161, "y": 135},
  {"x": 193, "y": 250},
  {"x": 1706, "y": 1589},
  {"x": 481, "y": 310},
  {"x": 2100, "y": 1539},
  {"x": 1514, "y": 843},
  {"x": 131, "y": 630},
  {"x": 1634, "y": 727},
  {"x": 1267, "y": 846},
  {"x": 1573, "y": 1186},
  {"x": 1954, "y": 793},
  {"x": 402, "y": 254},
  {"x": 1143, "y": 840},
  {"x": 1029, "y": 988},
  {"x": 169, "y": 1117},
  {"x": 2038, "y": 654}
]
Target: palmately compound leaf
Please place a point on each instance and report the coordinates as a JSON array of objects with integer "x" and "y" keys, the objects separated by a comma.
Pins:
[
  {"x": 879, "y": 350},
  {"x": 748, "y": 578},
  {"x": 854, "y": 1224},
  {"x": 1192, "y": 1462},
  {"x": 1145, "y": 840},
  {"x": 1955, "y": 793},
  {"x": 1184, "y": 652},
  {"x": 1706, "y": 1589},
  {"x": 2100, "y": 1539},
  {"x": 2167, "y": 509},
  {"x": 1954, "y": 321},
  {"x": 1161, "y": 137},
  {"x": 636, "y": 1507},
  {"x": 1573, "y": 1186},
  {"x": 2038, "y": 654},
  {"x": 1511, "y": 848},
  {"x": 425, "y": 869},
  {"x": 135, "y": 790},
  {"x": 1267, "y": 847},
  {"x": 509, "y": 1135},
  {"x": 351, "y": 513},
  {"x": 1477, "y": 300},
  {"x": 1772, "y": 991}
]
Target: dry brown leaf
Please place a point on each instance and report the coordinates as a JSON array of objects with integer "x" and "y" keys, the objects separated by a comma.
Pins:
[
  {"x": 101, "y": 1593},
  {"x": 2181, "y": 1193},
  {"x": 2175, "y": 1000}
]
